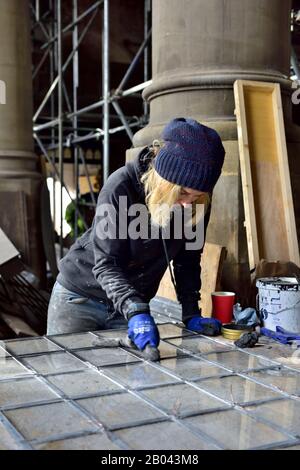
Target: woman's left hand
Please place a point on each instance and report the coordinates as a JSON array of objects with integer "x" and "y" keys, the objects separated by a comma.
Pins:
[{"x": 205, "y": 326}]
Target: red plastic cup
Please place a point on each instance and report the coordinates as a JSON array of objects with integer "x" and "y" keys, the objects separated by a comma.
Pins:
[{"x": 223, "y": 303}]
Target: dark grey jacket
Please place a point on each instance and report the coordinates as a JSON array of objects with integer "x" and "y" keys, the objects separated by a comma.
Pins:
[{"x": 126, "y": 272}]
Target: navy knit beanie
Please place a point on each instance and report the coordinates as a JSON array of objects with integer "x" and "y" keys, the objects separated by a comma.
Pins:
[{"x": 192, "y": 155}]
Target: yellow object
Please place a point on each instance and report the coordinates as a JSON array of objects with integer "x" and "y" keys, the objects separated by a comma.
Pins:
[
  {"x": 233, "y": 331},
  {"x": 84, "y": 184}
]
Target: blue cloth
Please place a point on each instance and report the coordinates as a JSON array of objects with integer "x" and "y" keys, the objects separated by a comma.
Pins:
[
  {"x": 142, "y": 330},
  {"x": 206, "y": 326},
  {"x": 192, "y": 155},
  {"x": 70, "y": 312},
  {"x": 281, "y": 335},
  {"x": 247, "y": 316}
]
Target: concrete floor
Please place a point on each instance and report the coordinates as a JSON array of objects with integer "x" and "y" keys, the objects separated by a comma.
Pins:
[{"x": 64, "y": 392}]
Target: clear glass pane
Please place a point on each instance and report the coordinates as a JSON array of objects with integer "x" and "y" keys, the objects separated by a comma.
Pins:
[
  {"x": 161, "y": 318},
  {"x": 198, "y": 344},
  {"x": 30, "y": 346},
  {"x": 169, "y": 330},
  {"x": 53, "y": 363},
  {"x": 166, "y": 350},
  {"x": 22, "y": 392},
  {"x": 106, "y": 356},
  {"x": 111, "y": 334},
  {"x": 169, "y": 350},
  {"x": 239, "y": 361},
  {"x": 88, "y": 382},
  {"x": 48, "y": 421},
  {"x": 9, "y": 367},
  {"x": 283, "y": 413},
  {"x": 120, "y": 410},
  {"x": 292, "y": 362},
  {"x": 192, "y": 368},
  {"x": 234, "y": 430},
  {"x": 279, "y": 353},
  {"x": 237, "y": 390},
  {"x": 162, "y": 436},
  {"x": 75, "y": 341},
  {"x": 284, "y": 379},
  {"x": 182, "y": 398},
  {"x": 92, "y": 442},
  {"x": 7, "y": 441},
  {"x": 139, "y": 375}
]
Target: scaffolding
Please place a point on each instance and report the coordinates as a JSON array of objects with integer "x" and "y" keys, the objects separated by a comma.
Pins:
[{"x": 63, "y": 125}]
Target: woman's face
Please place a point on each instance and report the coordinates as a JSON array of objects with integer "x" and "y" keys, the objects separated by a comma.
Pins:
[{"x": 188, "y": 196}]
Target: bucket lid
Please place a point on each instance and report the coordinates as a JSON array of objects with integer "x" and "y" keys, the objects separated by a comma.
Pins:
[{"x": 282, "y": 283}]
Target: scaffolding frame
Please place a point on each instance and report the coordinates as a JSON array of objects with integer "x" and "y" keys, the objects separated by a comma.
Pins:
[{"x": 60, "y": 122}]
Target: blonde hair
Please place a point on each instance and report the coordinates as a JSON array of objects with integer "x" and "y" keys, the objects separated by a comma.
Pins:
[{"x": 161, "y": 195}]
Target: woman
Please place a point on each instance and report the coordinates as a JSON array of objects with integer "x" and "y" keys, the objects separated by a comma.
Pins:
[{"x": 110, "y": 274}]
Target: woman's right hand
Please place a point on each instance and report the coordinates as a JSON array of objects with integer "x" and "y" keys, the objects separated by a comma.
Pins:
[{"x": 142, "y": 331}]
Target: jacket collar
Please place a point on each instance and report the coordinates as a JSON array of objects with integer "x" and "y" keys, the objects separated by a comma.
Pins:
[{"x": 140, "y": 166}]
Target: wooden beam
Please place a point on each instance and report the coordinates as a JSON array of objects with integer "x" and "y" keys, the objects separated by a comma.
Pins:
[
  {"x": 211, "y": 270},
  {"x": 212, "y": 261},
  {"x": 268, "y": 202}
]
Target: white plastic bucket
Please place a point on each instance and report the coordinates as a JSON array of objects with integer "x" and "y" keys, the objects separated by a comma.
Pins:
[{"x": 279, "y": 303}]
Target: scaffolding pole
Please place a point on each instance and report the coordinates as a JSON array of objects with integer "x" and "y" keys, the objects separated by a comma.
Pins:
[
  {"x": 75, "y": 22},
  {"x": 74, "y": 118},
  {"x": 49, "y": 160},
  {"x": 64, "y": 67},
  {"x": 52, "y": 56},
  {"x": 105, "y": 87},
  {"x": 147, "y": 9},
  {"x": 60, "y": 120},
  {"x": 64, "y": 128}
]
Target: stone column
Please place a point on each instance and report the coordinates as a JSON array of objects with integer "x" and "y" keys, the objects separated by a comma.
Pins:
[
  {"x": 20, "y": 180},
  {"x": 200, "y": 48}
]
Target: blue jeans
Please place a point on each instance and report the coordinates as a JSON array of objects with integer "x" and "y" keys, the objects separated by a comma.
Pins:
[{"x": 69, "y": 312}]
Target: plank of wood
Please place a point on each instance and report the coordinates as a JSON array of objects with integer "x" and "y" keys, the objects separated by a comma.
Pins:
[
  {"x": 7, "y": 250},
  {"x": 249, "y": 208},
  {"x": 284, "y": 173},
  {"x": 166, "y": 288},
  {"x": 212, "y": 260},
  {"x": 268, "y": 202},
  {"x": 18, "y": 325}
]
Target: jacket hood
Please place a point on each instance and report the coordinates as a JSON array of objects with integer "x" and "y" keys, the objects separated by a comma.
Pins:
[{"x": 138, "y": 167}]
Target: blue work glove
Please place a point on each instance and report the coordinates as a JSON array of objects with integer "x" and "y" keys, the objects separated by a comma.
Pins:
[
  {"x": 281, "y": 335},
  {"x": 205, "y": 326},
  {"x": 142, "y": 330}
]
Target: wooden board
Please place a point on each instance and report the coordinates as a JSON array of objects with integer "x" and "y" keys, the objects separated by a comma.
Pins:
[
  {"x": 14, "y": 222},
  {"x": 212, "y": 261},
  {"x": 7, "y": 250},
  {"x": 17, "y": 325},
  {"x": 269, "y": 211},
  {"x": 211, "y": 270}
]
